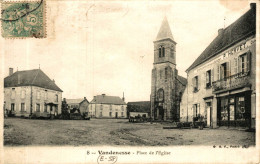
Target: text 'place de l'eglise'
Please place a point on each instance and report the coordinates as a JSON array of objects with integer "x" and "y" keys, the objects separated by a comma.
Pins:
[{"x": 219, "y": 90}]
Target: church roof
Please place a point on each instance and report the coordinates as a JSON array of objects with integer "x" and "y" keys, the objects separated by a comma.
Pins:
[
  {"x": 104, "y": 99},
  {"x": 183, "y": 80},
  {"x": 139, "y": 106},
  {"x": 165, "y": 31},
  {"x": 242, "y": 28},
  {"x": 35, "y": 77}
]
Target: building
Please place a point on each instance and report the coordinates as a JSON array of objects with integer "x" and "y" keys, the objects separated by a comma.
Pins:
[
  {"x": 81, "y": 104},
  {"x": 222, "y": 80},
  {"x": 103, "y": 106},
  {"x": 139, "y": 107},
  {"x": 31, "y": 93},
  {"x": 167, "y": 85}
]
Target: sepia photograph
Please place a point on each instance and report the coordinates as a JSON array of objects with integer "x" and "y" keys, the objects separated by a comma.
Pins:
[{"x": 129, "y": 81}]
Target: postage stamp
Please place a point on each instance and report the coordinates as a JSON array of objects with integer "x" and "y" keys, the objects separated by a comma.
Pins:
[{"x": 23, "y": 19}]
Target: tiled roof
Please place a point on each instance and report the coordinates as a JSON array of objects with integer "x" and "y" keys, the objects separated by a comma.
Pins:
[
  {"x": 183, "y": 80},
  {"x": 165, "y": 31},
  {"x": 75, "y": 101},
  {"x": 35, "y": 77},
  {"x": 139, "y": 106},
  {"x": 242, "y": 28},
  {"x": 104, "y": 99}
]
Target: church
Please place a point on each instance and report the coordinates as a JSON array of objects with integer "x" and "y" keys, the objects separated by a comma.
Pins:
[{"x": 167, "y": 86}]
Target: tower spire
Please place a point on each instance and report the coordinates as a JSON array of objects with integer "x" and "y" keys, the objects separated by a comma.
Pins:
[{"x": 165, "y": 31}]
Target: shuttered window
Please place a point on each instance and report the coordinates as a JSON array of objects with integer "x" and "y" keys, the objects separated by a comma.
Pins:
[
  {"x": 244, "y": 62},
  {"x": 195, "y": 84}
]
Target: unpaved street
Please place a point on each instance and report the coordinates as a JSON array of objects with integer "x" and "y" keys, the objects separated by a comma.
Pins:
[{"x": 19, "y": 131}]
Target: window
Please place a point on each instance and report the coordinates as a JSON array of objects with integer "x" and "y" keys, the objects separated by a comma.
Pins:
[
  {"x": 244, "y": 61},
  {"x": 38, "y": 108},
  {"x": 208, "y": 79},
  {"x": 45, "y": 108},
  {"x": 224, "y": 70},
  {"x": 161, "y": 51},
  {"x": 160, "y": 95},
  {"x": 22, "y": 94},
  {"x": 166, "y": 72},
  {"x": 56, "y": 98},
  {"x": 110, "y": 107},
  {"x": 13, "y": 93},
  {"x": 224, "y": 109},
  {"x": 100, "y": 114},
  {"x": 122, "y": 108},
  {"x": 110, "y": 114},
  {"x": 22, "y": 107},
  {"x": 172, "y": 51},
  {"x": 180, "y": 94},
  {"x": 38, "y": 95},
  {"x": 240, "y": 108},
  {"x": 45, "y": 95},
  {"x": 195, "y": 84},
  {"x": 101, "y": 107},
  {"x": 195, "y": 110},
  {"x": 122, "y": 114},
  {"x": 12, "y": 107}
]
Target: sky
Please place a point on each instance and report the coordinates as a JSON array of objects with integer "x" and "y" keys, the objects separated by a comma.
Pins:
[{"x": 95, "y": 47}]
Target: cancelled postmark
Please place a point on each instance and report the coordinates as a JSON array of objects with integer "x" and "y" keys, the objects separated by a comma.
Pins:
[{"x": 23, "y": 19}]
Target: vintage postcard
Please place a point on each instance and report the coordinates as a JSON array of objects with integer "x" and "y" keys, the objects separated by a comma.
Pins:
[{"x": 129, "y": 81}]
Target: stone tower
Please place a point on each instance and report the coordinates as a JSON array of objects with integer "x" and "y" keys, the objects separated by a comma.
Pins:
[{"x": 164, "y": 75}]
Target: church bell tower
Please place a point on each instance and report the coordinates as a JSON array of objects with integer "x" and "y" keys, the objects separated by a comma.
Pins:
[{"x": 163, "y": 75}]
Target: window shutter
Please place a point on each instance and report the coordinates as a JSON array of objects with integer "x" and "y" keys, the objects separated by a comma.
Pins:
[
  {"x": 212, "y": 75},
  {"x": 235, "y": 66},
  {"x": 228, "y": 69},
  {"x": 239, "y": 65},
  {"x": 248, "y": 61},
  {"x": 205, "y": 83},
  {"x": 218, "y": 72}
]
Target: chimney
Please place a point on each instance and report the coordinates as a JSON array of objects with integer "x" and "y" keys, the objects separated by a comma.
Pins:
[
  {"x": 123, "y": 97},
  {"x": 11, "y": 71},
  {"x": 103, "y": 95},
  {"x": 252, "y": 5},
  {"x": 220, "y": 31},
  {"x": 84, "y": 98}
]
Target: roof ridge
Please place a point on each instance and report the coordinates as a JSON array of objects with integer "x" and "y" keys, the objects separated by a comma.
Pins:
[
  {"x": 231, "y": 35},
  {"x": 35, "y": 76}
]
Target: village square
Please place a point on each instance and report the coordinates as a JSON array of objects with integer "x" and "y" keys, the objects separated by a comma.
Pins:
[{"x": 214, "y": 104}]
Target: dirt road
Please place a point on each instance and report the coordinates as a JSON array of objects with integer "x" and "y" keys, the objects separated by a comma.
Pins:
[{"x": 19, "y": 131}]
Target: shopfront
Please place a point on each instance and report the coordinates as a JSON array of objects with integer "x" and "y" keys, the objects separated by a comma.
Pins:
[{"x": 234, "y": 110}]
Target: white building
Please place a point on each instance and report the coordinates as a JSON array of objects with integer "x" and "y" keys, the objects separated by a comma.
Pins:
[
  {"x": 31, "y": 93},
  {"x": 103, "y": 106}
]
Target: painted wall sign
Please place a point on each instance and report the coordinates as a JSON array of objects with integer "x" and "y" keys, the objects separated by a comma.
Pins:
[{"x": 228, "y": 53}]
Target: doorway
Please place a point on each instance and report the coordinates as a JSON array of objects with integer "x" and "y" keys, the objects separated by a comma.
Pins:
[
  {"x": 116, "y": 114},
  {"x": 209, "y": 114}
]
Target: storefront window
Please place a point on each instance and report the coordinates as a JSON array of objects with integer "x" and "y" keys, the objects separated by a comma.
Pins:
[
  {"x": 240, "y": 108},
  {"x": 232, "y": 108},
  {"x": 224, "y": 109}
]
